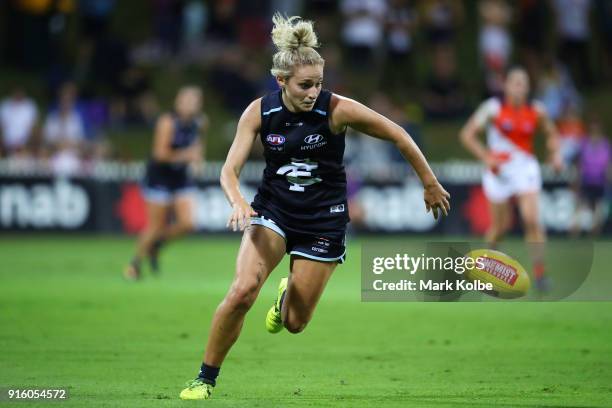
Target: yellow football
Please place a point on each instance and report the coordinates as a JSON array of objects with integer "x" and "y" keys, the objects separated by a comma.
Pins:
[{"x": 508, "y": 277}]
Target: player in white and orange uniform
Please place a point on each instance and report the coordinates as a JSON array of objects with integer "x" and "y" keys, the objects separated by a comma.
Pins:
[{"x": 512, "y": 169}]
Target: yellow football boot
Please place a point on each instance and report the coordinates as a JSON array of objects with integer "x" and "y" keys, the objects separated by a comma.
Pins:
[
  {"x": 197, "y": 390},
  {"x": 274, "y": 321}
]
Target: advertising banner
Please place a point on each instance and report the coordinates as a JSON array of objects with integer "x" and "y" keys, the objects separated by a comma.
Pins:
[{"x": 76, "y": 205}]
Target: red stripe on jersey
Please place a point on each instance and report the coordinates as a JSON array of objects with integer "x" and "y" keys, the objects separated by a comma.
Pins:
[{"x": 518, "y": 124}]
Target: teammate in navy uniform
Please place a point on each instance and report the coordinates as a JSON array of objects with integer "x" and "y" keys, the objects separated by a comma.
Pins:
[
  {"x": 168, "y": 185},
  {"x": 300, "y": 208}
]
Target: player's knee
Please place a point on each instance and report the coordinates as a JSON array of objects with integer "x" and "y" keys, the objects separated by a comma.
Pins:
[
  {"x": 295, "y": 324},
  {"x": 242, "y": 296},
  {"x": 295, "y": 327}
]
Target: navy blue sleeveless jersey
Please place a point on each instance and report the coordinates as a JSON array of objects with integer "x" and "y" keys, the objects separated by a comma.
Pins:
[
  {"x": 185, "y": 133},
  {"x": 174, "y": 176},
  {"x": 304, "y": 182}
]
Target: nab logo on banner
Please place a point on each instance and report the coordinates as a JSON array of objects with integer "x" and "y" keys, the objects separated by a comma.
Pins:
[{"x": 40, "y": 205}]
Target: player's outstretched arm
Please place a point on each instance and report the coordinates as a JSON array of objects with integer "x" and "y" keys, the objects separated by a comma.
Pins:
[
  {"x": 347, "y": 112},
  {"x": 470, "y": 131},
  {"x": 248, "y": 127},
  {"x": 552, "y": 137}
]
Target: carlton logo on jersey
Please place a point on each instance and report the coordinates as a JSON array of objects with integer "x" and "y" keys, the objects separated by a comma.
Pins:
[
  {"x": 299, "y": 174},
  {"x": 314, "y": 141}
]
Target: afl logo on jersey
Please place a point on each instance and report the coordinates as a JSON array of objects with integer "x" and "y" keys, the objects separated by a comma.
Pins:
[
  {"x": 312, "y": 139},
  {"x": 275, "y": 140}
]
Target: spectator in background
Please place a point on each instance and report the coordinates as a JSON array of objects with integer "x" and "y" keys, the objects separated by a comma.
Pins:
[
  {"x": 36, "y": 29},
  {"x": 109, "y": 59},
  {"x": 195, "y": 15},
  {"x": 604, "y": 18},
  {"x": 531, "y": 32},
  {"x": 574, "y": 32},
  {"x": 594, "y": 166},
  {"x": 334, "y": 75},
  {"x": 440, "y": 19},
  {"x": 168, "y": 21},
  {"x": 325, "y": 13},
  {"x": 400, "y": 23},
  {"x": 495, "y": 43},
  {"x": 135, "y": 102},
  {"x": 443, "y": 97},
  {"x": 95, "y": 17},
  {"x": 322, "y": 7},
  {"x": 221, "y": 27},
  {"x": 555, "y": 88},
  {"x": 231, "y": 78},
  {"x": 18, "y": 119},
  {"x": 288, "y": 7},
  {"x": 64, "y": 133},
  {"x": 253, "y": 25},
  {"x": 572, "y": 132},
  {"x": 362, "y": 33}
]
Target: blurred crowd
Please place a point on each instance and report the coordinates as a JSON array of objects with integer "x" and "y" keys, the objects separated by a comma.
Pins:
[{"x": 405, "y": 58}]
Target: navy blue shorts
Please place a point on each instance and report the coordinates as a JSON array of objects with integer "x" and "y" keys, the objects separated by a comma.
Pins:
[
  {"x": 326, "y": 246},
  {"x": 164, "y": 182}
]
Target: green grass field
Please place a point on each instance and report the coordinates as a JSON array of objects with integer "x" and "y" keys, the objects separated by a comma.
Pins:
[{"x": 67, "y": 319}]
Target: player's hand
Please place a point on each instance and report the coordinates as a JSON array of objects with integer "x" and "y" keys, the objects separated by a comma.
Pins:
[
  {"x": 493, "y": 161},
  {"x": 196, "y": 167},
  {"x": 241, "y": 213},
  {"x": 195, "y": 154},
  {"x": 436, "y": 199}
]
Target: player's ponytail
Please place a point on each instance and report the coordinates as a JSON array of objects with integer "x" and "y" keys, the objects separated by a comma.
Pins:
[{"x": 295, "y": 40}]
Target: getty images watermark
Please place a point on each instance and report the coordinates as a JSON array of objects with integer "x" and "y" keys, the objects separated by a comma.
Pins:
[
  {"x": 413, "y": 264},
  {"x": 468, "y": 271}
]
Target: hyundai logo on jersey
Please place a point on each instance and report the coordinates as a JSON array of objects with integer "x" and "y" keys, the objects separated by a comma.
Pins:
[
  {"x": 312, "y": 139},
  {"x": 275, "y": 140}
]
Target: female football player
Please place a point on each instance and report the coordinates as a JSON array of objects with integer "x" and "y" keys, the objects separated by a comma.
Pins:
[
  {"x": 168, "y": 184},
  {"x": 511, "y": 167},
  {"x": 300, "y": 208}
]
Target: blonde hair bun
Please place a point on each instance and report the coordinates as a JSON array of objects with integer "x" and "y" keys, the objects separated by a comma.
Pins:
[
  {"x": 291, "y": 33},
  {"x": 295, "y": 40}
]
